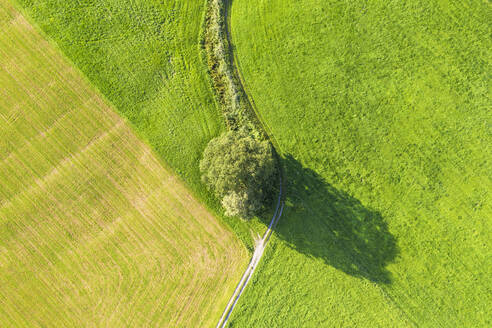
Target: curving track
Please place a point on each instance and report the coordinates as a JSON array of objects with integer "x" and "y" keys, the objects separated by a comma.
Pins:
[{"x": 258, "y": 253}]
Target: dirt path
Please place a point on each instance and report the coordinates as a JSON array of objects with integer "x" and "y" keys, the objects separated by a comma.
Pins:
[{"x": 258, "y": 253}]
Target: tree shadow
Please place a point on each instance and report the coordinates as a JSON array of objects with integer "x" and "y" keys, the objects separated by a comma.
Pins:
[{"x": 326, "y": 223}]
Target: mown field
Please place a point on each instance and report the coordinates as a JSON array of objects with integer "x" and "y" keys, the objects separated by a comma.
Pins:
[
  {"x": 145, "y": 57},
  {"x": 94, "y": 230},
  {"x": 383, "y": 114}
]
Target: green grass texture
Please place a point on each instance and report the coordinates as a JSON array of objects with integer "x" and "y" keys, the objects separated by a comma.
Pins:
[{"x": 382, "y": 112}]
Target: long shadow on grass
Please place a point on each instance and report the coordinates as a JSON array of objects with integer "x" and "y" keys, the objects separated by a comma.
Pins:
[{"x": 326, "y": 223}]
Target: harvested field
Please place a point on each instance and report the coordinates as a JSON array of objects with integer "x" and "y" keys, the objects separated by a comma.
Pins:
[{"x": 94, "y": 230}]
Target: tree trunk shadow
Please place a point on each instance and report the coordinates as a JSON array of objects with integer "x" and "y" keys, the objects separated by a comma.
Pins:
[{"x": 323, "y": 222}]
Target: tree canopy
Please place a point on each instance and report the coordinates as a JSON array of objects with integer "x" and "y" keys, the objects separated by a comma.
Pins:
[{"x": 240, "y": 169}]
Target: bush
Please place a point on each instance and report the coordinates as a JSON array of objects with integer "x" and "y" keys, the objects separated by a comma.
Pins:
[
  {"x": 240, "y": 169},
  {"x": 229, "y": 92}
]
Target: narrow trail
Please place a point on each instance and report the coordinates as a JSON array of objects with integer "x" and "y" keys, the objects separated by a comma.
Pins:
[
  {"x": 258, "y": 253},
  {"x": 263, "y": 242}
]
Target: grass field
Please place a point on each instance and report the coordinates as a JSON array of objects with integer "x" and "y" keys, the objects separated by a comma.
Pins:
[
  {"x": 94, "y": 230},
  {"x": 382, "y": 111},
  {"x": 145, "y": 57}
]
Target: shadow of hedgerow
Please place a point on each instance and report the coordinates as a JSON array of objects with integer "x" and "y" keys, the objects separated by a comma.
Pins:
[{"x": 326, "y": 223}]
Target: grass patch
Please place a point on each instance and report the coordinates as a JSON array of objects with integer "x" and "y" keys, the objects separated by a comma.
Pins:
[
  {"x": 94, "y": 231},
  {"x": 382, "y": 112}
]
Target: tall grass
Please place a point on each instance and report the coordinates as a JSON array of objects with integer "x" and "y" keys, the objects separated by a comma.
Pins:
[{"x": 229, "y": 92}]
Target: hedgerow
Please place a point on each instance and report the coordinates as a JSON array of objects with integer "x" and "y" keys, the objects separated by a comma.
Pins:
[
  {"x": 231, "y": 97},
  {"x": 243, "y": 197}
]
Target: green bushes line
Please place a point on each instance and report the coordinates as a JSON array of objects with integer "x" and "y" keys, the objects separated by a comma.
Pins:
[
  {"x": 231, "y": 97},
  {"x": 240, "y": 165}
]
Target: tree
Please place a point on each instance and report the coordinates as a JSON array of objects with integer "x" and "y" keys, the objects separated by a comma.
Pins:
[{"x": 240, "y": 169}]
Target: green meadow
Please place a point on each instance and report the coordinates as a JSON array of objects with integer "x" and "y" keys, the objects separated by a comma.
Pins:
[
  {"x": 382, "y": 113},
  {"x": 380, "y": 110},
  {"x": 144, "y": 57}
]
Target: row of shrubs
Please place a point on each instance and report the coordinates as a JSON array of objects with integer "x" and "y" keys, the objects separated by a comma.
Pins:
[
  {"x": 234, "y": 103},
  {"x": 238, "y": 166}
]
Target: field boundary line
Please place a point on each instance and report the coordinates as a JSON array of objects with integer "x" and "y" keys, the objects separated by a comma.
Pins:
[{"x": 235, "y": 65}]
